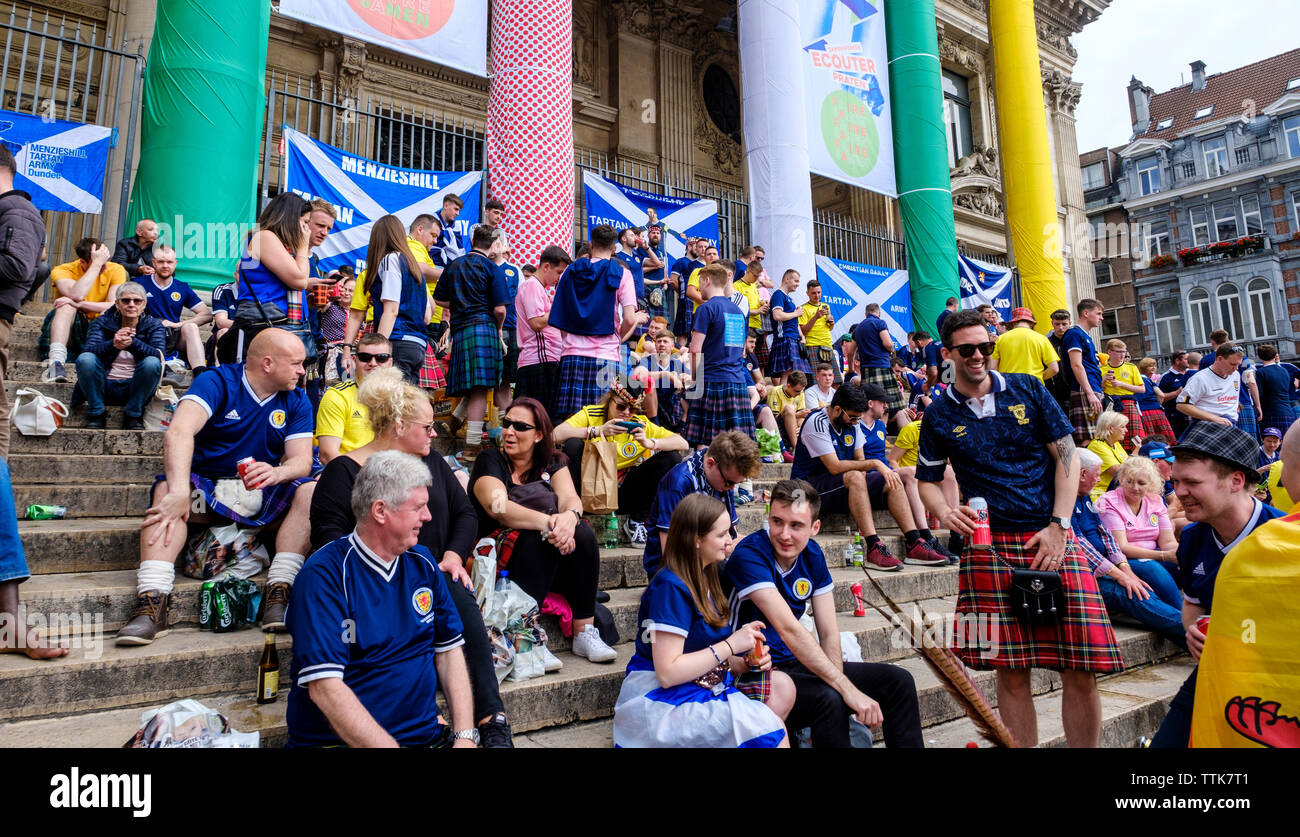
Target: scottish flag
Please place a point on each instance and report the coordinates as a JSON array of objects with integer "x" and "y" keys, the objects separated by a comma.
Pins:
[
  {"x": 982, "y": 282},
  {"x": 60, "y": 164},
  {"x": 622, "y": 206},
  {"x": 848, "y": 286},
  {"x": 364, "y": 191}
]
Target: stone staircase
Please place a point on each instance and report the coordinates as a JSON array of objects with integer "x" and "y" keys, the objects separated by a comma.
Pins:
[{"x": 84, "y": 573}]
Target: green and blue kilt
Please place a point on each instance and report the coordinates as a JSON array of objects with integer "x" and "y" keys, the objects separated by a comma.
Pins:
[
  {"x": 786, "y": 356},
  {"x": 1084, "y": 641},
  {"x": 1281, "y": 420},
  {"x": 476, "y": 358},
  {"x": 685, "y": 314},
  {"x": 888, "y": 381},
  {"x": 583, "y": 381},
  {"x": 721, "y": 406}
]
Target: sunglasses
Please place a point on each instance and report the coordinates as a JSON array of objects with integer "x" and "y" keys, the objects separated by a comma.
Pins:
[
  {"x": 520, "y": 426},
  {"x": 131, "y": 301},
  {"x": 367, "y": 357},
  {"x": 428, "y": 428},
  {"x": 967, "y": 350}
]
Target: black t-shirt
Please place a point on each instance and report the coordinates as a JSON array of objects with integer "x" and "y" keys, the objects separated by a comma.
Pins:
[
  {"x": 493, "y": 463},
  {"x": 453, "y": 525}
]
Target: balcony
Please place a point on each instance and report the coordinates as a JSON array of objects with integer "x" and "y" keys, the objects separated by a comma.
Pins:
[{"x": 1223, "y": 250}]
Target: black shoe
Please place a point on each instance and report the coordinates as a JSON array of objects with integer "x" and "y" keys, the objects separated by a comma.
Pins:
[
  {"x": 939, "y": 548},
  {"x": 955, "y": 546},
  {"x": 98, "y": 422},
  {"x": 495, "y": 734},
  {"x": 602, "y": 597},
  {"x": 132, "y": 423}
]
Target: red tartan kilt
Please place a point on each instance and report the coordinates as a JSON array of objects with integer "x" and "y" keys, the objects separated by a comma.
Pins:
[
  {"x": 1155, "y": 425},
  {"x": 1129, "y": 407},
  {"x": 1085, "y": 641}
]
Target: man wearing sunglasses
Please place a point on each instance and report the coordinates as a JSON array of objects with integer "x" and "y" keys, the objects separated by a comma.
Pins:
[
  {"x": 1010, "y": 443},
  {"x": 121, "y": 362},
  {"x": 343, "y": 422}
]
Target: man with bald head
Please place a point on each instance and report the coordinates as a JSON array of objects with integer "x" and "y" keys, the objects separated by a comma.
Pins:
[
  {"x": 237, "y": 412},
  {"x": 136, "y": 253}
]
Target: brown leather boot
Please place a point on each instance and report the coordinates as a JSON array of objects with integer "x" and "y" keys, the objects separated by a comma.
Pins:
[
  {"x": 148, "y": 620},
  {"x": 277, "y": 601}
]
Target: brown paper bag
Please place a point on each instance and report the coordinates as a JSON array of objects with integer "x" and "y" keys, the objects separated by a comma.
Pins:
[{"x": 599, "y": 477}]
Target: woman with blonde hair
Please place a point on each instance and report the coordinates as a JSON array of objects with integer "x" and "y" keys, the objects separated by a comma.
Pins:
[
  {"x": 1108, "y": 444},
  {"x": 396, "y": 290},
  {"x": 1155, "y": 424},
  {"x": 680, "y": 688},
  {"x": 402, "y": 418}
]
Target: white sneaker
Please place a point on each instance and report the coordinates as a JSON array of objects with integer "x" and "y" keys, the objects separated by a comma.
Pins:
[
  {"x": 635, "y": 531},
  {"x": 552, "y": 662},
  {"x": 589, "y": 644}
]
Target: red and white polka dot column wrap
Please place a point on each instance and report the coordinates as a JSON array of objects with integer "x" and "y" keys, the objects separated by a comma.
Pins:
[{"x": 530, "y": 123}]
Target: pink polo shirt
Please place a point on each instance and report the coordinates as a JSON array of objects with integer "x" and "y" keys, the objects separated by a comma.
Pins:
[
  {"x": 1141, "y": 529},
  {"x": 533, "y": 300}
]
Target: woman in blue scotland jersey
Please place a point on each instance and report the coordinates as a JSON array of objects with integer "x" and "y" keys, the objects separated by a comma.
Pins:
[{"x": 680, "y": 689}]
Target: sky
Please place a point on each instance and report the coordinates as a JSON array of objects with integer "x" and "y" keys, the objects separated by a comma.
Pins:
[{"x": 1156, "y": 40}]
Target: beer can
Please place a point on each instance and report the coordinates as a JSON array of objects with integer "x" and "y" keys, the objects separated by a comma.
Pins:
[
  {"x": 46, "y": 512},
  {"x": 982, "y": 540},
  {"x": 1203, "y": 625},
  {"x": 206, "y": 594},
  {"x": 242, "y": 467},
  {"x": 859, "y": 607},
  {"x": 223, "y": 618}
]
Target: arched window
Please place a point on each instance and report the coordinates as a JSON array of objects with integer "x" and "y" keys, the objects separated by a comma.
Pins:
[
  {"x": 1198, "y": 310},
  {"x": 1260, "y": 296},
  {"x": 1230, "y": 310}
]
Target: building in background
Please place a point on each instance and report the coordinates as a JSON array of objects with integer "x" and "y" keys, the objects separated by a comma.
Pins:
[
  {"x": 1210, "y": 182},
  {"x": 1112, "y": 243}
]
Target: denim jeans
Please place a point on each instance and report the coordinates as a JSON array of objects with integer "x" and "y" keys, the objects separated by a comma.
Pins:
[
  {"x": 1162, "y": 611},
  {"x": 92, "y": 377},
  {"x": 13, "y": 563}
]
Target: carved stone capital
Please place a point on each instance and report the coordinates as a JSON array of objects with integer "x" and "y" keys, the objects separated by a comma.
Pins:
[
  {"x": 1062, "y": 91},
  {"x": 955, "y": 53},
  {"x": 1055, "y": 37},
  {"x": 637, "y": 17}
]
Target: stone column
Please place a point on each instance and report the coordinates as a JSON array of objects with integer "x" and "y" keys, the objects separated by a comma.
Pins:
[
  {"x": 530, "y": 122},
  {"x": 1062, "y": 97},
  {"x": 674, "y": 112},
  {"x": 135, "y": 22}
]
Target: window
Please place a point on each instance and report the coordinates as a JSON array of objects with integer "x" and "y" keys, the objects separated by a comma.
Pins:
[
  {"x": 1261, "y": 307},
  {"x": 1148, "y": 175},
  {"x": 722, "y": 101},
  {"x": 1164, "y": 124},
  {"x": 956, "y": 112},
  {"x": 1198, "y": 309},
  {"x": 1204, "y": 112},
  {"x": 1295, "y": 210},
  {"x": 1094, "y": 176},
  {"x": 1230, "y": 309},
  {"x": 1291, "y": 128},
  {"x": 1155, "y": 238},
  {"x": 1200, "y": 226},
  {"x": 1250, "y": 214},
  {"x": 1109, "y": 323},
  {"x": 1169, "y": 326},
  {"x": 1101, "y": 273},
  {"x": 1215, "y": 152},
  {"x": 1189, "y": 171},
  {"x": 1225, "y": 221},
  {"x": 1293, "y": 84}
]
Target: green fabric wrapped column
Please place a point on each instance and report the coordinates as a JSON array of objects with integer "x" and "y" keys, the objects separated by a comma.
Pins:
[
  {"x": 921, "y": 158},
  {"x": 200, "y": 128}
]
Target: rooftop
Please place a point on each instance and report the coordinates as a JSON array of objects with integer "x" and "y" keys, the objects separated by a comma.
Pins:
[{"x": 1263, "y": 82}]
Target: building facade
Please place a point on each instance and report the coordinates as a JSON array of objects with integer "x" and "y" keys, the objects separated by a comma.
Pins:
[
  {"x": 1210, "y": 182},
  {"x": 1112, "y": 257},
  {"x": 656, "y": 104}
]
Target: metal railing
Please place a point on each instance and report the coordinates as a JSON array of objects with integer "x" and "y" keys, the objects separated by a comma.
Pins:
[
  {"x": 847, "y": 238},
  {"x": 67, "y": 68}
]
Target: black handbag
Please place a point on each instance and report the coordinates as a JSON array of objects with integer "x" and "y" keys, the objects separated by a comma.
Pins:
[
  {"x": 1037, "y": 597},
  {"x": 251, "y": 319}
]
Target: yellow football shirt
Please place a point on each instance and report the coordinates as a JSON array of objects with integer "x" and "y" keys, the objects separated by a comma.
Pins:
[
  {"x": 111, "y": 275},
  {"x": 909, "y": 441},
  {"x": 818, "y": 335},
  {"x": 777, "y": 400},
  {"x": 1126, "y": 372},
  {"x": 1025, "y": 351},
  {"x": 750, "y": 292},
  {"x": 342, "y": 416},
  {"x": 1111, "y": 455},
  {"x": 630, "y": 451}
]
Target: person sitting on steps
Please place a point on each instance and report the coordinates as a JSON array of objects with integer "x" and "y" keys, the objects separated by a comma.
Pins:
[{"x": 121, "y": 362}]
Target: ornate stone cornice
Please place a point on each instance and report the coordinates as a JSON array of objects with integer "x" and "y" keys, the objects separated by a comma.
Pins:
[
  {"x": 1062, "y": 91},
  {"x": 88, "y": 11},
  {"x": 983, "y": 201},
  {"x": 956, "y": 53},
  {"x": 1055, "y": 37}
]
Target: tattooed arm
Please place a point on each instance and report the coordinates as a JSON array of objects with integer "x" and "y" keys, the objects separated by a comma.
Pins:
[{"x": 1051, "y": 539}]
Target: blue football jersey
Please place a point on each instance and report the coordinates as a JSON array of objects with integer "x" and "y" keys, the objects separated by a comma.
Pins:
[
  {"x": 239, "y": 425},
  {"x": 753, "y": 566}
]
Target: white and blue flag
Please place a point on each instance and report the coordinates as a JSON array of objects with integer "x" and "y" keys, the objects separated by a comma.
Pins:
[
  {"x": 847, "y": 287},
  {"x": 622, "y": 206},
  {"x": 364, "y": 191},
  {"x": 982, "y": 282},
  {"x": 60, "y": 164}
]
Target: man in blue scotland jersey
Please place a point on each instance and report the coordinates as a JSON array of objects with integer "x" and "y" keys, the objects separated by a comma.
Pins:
[
  {"x": 243, "y": 411},
  {"x": 374, "y": 628}
]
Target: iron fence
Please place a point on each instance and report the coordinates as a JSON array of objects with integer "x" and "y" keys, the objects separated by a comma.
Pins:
[
  {"x": 66, "y": 68},
  {"x": 849, "y": 239}
]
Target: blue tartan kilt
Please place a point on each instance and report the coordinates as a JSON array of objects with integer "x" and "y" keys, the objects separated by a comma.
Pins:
[
  {"x": 275, "y": 500},
  {"x": 582, "y": 381},
  {"x": 786, "y": 356},
  {"x": 476, "y": 359},
  {"x": 1280, "y": 420},
  {"x": 1246, "y": 421},
  {"x": 721, "y": 406},
  {"x": 685, "y": 316}
]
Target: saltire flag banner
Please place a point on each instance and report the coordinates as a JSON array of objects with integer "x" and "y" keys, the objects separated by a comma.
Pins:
[
  {"x": 362, "y": 191},
  {"x": 60, "y": 164},
  {"x": 622, "y": 206},
  {"x": 846, "y": 92},
  {"x": 448, "y": 32},
  {"x": 848, "y": 286},
  {"x": 982, "y": 282}
]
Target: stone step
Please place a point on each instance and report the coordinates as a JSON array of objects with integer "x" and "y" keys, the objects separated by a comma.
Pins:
[
  {"x": 1133, "y": 704},
  {"x": 83, "y": 501},
  {"x": 86, "y": 442},
  {"x": 64, "y": 469},
  {"x": 81, "y": 545}
]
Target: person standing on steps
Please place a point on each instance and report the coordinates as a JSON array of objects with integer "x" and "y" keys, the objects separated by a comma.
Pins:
[
  {"x": 23, "y": 229},
  {"x": 252, "y": 409}
]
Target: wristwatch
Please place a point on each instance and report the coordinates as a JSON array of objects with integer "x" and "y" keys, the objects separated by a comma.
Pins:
[
  {"x": 1063, "y": 522},
  {"x": 466, "y": 735}
]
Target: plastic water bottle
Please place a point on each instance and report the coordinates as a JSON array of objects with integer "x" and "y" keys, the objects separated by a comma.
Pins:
[{"x": 611, "y": 531}]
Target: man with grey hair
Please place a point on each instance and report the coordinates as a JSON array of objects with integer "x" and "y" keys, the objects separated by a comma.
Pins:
[
  {"x": 374, "y": 628},
  {"x": 121, "y": 362}
]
